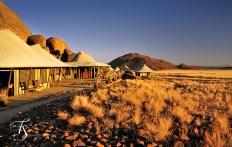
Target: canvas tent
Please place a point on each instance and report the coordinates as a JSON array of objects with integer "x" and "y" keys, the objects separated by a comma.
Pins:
[
  {"x": 143, "y": 70},
  {"x": 58, "y": 71},
  {"x": 86, "y": 66},
  {"x": 82, "y": 57},
  {"x": 117, "y": 69},
  {"x": 48, "y": 57},
  {"x": 111, "y": 69},
  {"x": 18, "y": 60},
  {"x": 125, "y": 68},
  {"x": 15, "y": 53}
]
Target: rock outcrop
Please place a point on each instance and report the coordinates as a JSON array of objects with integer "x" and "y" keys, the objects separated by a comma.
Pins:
[
  {"x": 10, "y": 20},
  {"x": 57, "y": 44},
  {"x": 37, "y": 39},
  {"x": 184, "y": 66},
  {"x": 71, "y": 56}
]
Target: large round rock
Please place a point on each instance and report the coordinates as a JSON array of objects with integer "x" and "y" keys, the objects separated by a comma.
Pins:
[
  {"x": 57, "y": 44},
  {"x": 37, "y": 39}
]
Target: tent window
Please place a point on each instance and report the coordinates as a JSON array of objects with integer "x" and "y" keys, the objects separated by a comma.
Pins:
[
  {"x": 43, "y": 75},
  {"x": 24, "y": 75},
  {"x": 67, "y": 71}
]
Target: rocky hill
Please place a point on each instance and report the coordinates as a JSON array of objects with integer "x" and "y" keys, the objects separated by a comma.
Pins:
[
  {"x": 134, "y": 60},
  {"x": 184, "y": 66},
  {"x": 10, "y": 20}
]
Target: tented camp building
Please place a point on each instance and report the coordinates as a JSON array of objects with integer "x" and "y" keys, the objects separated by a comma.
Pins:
[
  {"x": 58, "y": 71},
  {"x": 21, "y": 64},
  {"x": 143, "y": 70},
  {"x": 117, "y": 69},
  {"x": 125, "y": 68},
  {"x": 85, "y": 66}
]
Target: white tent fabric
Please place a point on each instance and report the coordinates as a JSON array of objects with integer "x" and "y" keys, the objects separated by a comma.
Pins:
[
  {"x": 83, "y": 59},
  {"x": 125, "y": 68},
  {"x": 103, "y": 64},
  {"x": 117, "y": 69},
  {"x": 48, "y": 57},
  {"x": 87, "y": 64},
  {"x": 143, "y": 68},
  {"x": 111, "y": 69},
  {"x": 15, "y": 53}
]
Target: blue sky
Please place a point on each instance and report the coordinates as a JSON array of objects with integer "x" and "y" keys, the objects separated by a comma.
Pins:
[{"x": 196, "y": 32}]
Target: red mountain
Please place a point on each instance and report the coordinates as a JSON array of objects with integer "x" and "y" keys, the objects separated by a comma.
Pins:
[{"x": 134, "y": 60}]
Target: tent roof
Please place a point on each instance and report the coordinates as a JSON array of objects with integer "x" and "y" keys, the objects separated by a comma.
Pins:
[
  {"x": 48, "y": 57},
  {"x": 87, "y": 64},
  {"x": 117, "y": 69},
  {"x": 82, "y": 57},
  {"x": 15, "y": 53},
  {"x": 143, "y": 68},
  {"x": 103, "y": 64},
  {"x": 125, "y": 68},
  {"x": 111, "y": 69}
]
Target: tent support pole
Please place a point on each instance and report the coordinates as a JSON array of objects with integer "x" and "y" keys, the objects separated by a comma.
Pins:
[
  {"x": 7, "y": 91},
  {"x": 49, "y": 77},
  {"x": 54, "y": 78},
  {"x": 29, "y": 80},
  {"x": 63, "y": 73},
  {"x": 60, "y": 71}
]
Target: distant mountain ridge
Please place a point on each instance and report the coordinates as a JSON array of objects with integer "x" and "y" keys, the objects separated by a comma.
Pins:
[
  {"x": 134, "y": 60},
  {"x": 228, "y": 67},
  {"x": 216, "y": 67}
]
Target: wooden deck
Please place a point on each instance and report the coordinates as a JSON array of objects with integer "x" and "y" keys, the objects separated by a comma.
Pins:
[{"x": 63, "y": 86}]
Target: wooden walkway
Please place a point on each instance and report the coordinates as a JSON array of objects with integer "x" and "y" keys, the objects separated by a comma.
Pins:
[{"x": 63, "y": 86}]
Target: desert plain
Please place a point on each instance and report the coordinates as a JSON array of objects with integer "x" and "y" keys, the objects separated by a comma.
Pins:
[{"x": 179, "y": 108}]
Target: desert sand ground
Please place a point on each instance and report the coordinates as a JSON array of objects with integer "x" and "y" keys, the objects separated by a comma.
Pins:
[
  {"x": 195, "y": 73},
  {"x": 159, "y": 111}
]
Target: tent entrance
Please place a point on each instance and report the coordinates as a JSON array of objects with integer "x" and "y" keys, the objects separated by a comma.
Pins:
[{"x": 4, "y": 77}]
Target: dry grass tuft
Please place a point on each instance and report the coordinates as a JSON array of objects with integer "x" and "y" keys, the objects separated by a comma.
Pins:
[
  {"x": 76, "y": 120},
  {"x": 160, "y": 129},
  {"x": 82, "y": 103},
  {"x": 63, "y": 115}
]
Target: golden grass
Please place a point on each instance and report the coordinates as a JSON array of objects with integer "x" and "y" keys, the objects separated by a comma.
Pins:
[
  {"x": 101, "y": 94},
  {"x": 82, "y": 102},
  {"x": 154, "y": 105},
  {"x": 79, "y": 102},
  {"x": 137, "y": 116},
  {"x": 96, "y": 111},
  {"x": 229, "y": 106},
  {"x": 160, "y": 130},
  {"x": 76, "y": 120},
  {"x": 63, "y": 115}
]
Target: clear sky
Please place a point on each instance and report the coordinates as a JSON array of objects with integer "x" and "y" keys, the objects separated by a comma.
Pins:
[{"x": 195, "y": 32}]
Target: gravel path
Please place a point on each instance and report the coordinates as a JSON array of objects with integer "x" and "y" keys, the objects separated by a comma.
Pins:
[{"x": 7, "y": 114}]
